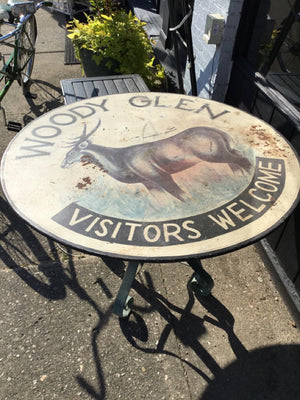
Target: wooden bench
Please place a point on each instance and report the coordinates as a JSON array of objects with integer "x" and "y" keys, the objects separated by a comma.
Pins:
[
  {"x": 85, "y": 88},
  {"x": 288, "y": 85}
]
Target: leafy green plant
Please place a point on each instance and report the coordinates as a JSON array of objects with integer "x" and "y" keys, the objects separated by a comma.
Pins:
[
  {"x": 121, "y": 37},
  {"x": 266, "y": 48},
  {"x": 107, "y": 7}
]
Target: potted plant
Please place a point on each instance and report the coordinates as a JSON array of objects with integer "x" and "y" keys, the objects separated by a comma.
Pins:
[{"x": 114, "y": 43}]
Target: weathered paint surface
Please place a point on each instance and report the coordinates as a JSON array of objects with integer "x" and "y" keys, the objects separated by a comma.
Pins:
[{"x": 151, "y": 176}]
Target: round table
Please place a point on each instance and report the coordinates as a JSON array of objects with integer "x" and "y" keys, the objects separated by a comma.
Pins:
[{"x": 151, "y": 176}]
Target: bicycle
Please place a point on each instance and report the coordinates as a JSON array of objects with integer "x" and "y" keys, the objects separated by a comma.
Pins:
[{"x": 18, "y": 17}]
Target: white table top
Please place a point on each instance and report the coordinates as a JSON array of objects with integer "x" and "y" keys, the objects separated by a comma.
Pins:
[{"x": 151, "y": 176}]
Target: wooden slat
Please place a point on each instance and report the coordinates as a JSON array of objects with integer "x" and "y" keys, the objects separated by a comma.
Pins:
[
  {"x": 79, "y": 91},
  {"x": 141, "y": 85},
  {"x": 288, "y": 85},
  {"x": 100, "y": 87},
  {"x": 90, "y": 89},
  {"x": 132, "y": 86},
  {"x": 110, "y": 86},
  {"x": 121, "y": 86},
  {"x": 68, "y": 91}
]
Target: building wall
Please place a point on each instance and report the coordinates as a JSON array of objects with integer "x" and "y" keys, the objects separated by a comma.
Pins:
[{"x": 213, "y": 62}]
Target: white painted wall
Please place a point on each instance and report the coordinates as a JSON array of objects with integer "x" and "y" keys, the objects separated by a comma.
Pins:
[{"x": 213, "y": 63}]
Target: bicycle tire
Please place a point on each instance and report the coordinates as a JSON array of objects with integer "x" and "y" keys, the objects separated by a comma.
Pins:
[
  {"x": 26, "y": 45},
  {"x": 289, "y": 54}
]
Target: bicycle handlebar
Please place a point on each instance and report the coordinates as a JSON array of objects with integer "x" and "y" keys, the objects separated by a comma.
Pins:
[{"x": 24, "y": 19}]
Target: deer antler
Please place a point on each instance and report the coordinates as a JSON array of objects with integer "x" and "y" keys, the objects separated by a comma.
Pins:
[
  {"x": 84, "y": 135},
  {"x": 94, "y": 130}
]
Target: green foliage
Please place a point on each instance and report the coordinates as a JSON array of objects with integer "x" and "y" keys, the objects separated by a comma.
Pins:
[
  {"x": 119, "y": 36},
  {"x": 107, "y": 7},
  {"x": 266, "y": 48}
]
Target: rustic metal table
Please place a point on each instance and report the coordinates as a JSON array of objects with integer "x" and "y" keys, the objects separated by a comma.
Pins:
[{"x": 151, "y": 176}]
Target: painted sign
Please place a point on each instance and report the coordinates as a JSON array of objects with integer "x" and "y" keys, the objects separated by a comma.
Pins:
[{"x": 151, "y": 176}]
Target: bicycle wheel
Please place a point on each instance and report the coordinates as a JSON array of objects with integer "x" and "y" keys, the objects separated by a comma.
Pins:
[
  {"x": 26, "y": 51},
  {"x": 289, "y": 53}
]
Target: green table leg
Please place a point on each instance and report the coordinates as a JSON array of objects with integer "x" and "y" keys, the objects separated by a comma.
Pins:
[
  {"x": 201, "y": 282},
  {"x": 123, "y": 303}
]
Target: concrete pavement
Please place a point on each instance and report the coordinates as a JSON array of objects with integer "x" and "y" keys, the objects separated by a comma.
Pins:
[{"x": 60, "y": 340}]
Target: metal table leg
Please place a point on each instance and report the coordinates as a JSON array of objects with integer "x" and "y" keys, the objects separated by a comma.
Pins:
[
  {"x": 201, "y": 282},
  {"x": 123, "y": 303}
]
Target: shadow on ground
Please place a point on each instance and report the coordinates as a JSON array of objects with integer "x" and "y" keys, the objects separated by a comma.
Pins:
[
  {"x": 259, "y": 374},
  {"x": 263, "y": 374},
  {"x": 49, "y": 97}
]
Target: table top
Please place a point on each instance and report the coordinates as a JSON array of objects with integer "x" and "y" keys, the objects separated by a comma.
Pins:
[
  {"x": 151, "y": 176},
  {"x": 76, "y": 89}
]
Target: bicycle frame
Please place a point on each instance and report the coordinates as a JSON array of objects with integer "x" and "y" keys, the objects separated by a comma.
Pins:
[
  {"x": 18, "y": 15},
  {"x": 10, "y": 70}
]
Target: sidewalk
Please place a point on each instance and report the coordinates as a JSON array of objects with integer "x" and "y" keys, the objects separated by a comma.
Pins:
[{"x": 60, "y": 340}]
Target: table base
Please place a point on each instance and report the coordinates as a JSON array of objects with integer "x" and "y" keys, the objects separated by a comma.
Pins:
[{"x": 201, "y": 284}]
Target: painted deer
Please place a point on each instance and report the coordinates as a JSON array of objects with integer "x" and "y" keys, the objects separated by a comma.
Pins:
[{"x": 153, "y": 164}]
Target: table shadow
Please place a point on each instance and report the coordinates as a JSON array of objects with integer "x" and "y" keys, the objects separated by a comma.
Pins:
[
  {"x": 269, "y": 373},
  {"x": 266, "y": 370},
  {"x": 188, "y": 327},
  {"x": 22, "y": 251},
  {"x": 21, "y": 246}
]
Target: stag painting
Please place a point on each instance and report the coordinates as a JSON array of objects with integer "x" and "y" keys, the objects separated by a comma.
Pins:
[{"x": 153, "y": 164}]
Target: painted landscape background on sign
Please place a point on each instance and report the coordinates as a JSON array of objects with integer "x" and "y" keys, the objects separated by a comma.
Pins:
[{"x": 170, "y": 174}]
